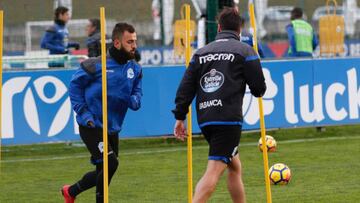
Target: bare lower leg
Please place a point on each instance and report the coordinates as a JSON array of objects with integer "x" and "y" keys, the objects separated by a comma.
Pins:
[
  {"x": 234, "y": 182},
  {"x": 207, "y": 183}
]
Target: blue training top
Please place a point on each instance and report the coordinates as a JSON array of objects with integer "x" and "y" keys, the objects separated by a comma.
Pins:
[
  {"x": 123, "y": 89},
  {"x": 248, "y": 39},
  {"x": 56, "y": 39}
]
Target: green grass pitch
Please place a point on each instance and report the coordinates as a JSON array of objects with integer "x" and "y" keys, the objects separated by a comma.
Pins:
[{"x": 325, "y": 168}]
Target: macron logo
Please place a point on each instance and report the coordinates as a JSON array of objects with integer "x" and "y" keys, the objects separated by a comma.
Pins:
[{"x": 216, "y": 57}]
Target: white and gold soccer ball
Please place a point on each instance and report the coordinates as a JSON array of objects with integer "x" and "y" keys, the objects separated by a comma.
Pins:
[
  {"x": 279, "y": 174},
  {"x": 270, "y": 144}
]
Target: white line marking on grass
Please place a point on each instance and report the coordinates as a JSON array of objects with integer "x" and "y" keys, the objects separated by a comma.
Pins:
[
  {"x": 176, "y": 149},
  {"x": 45, "y": 158}
]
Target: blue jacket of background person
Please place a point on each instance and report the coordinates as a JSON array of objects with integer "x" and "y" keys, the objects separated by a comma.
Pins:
[
  {"x": 123, "y": 88},
  {"x": 56, "y": 39},
  {"x": 247, "y": 38},
  {"x": 93, "y": 43}
]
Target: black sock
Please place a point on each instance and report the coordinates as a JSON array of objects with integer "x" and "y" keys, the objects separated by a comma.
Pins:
[
  {"x": 88, "y": 181},
  {"x": 74, "y": 190}
]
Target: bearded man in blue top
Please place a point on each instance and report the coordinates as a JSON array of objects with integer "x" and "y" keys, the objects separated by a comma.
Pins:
[{"x": 124, "y": 91}]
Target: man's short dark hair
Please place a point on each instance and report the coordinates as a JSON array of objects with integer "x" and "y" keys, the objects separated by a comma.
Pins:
[
  {"x": 95, "y": 23},
  {"x": 120, "y": 28},
  {"x": 60, "y": 10},
  {"x": 296, "y": 13},
  {"x": 229, "y": 19}
]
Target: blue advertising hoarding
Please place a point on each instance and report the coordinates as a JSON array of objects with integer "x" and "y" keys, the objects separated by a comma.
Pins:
[
  {"x": 36, "y": 106},
  {"x": 165, "y": 55}
]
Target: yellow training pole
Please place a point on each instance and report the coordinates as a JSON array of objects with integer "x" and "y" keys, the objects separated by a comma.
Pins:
[
  {"x": 261, "y": 112},
  {"x": 104, "y": 106},
  {"x": 1, "y": 68},
  {"x": 189, "y": 117}
]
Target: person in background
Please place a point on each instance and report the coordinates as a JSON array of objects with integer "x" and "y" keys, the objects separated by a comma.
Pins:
[
  {"x": 93, "y": 41},
  {"x": 56, "y": 37},
  {"x": 247, "y": 38},
  {"x": 301, "y": 36}
]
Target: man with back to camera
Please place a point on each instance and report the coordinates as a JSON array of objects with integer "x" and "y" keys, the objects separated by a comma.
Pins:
[
  {"x": 302, "y": 39},
  {"x": 217, "y": 75},
  {"x": 56, "y": 38},
  {"x": 124, "y": 91}
]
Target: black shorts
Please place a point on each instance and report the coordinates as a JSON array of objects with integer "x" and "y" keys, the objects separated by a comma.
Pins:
[
  {"x": 93, "y": 139},
  {"x": 223, "y": 141}
]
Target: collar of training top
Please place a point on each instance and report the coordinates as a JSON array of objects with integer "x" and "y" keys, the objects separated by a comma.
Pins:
[
  {"x": 96, "y": 34},
  {"x": 227, "y": 34},
  {"x": 60, "y": 22},
  {"x": 119, "y": 56}
]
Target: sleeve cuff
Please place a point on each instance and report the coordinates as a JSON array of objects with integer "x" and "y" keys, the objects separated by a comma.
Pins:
[
  {"x": 134, "y": 103},
  {"x": 178, "y": 115},
  {"x": 87, "y": 116}
]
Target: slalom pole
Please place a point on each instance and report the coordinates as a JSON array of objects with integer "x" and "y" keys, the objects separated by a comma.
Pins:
[
  {"x": 1, "y": 68},
  {"x": 189, "y": 116},
  {"x": 104, "y": 106},
  {"x": 261, "y": 111}
]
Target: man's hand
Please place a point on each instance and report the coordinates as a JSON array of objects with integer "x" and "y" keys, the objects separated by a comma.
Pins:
[
  {"x": 180, "y": 130},
  {"x": 65, "y": 51},
  {"x": 90, "y": 124},
  {"x": 134, "y": 103},
  {"x": 77, "y": 46}
]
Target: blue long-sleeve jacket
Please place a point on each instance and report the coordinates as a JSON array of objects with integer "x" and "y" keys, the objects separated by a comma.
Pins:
[
  {"x": 292, "y": 44},
  {"x": 123, "y": 89},
  {"x": 56, "y": 39},
  {"x": 248, "y": 39}
]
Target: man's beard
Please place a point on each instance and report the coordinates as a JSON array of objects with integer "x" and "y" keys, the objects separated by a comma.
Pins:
[
  {"x": 128, "y": 55},
  {"x": 121, "y": 55}
]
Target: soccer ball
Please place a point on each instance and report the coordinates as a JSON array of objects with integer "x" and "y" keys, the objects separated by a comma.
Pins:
[
  {"x": 270, "y": 143},
  {"x": 279, "y": 174}
]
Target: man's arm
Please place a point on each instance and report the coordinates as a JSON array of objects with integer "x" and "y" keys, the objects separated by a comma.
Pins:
[
  {"x": 260, "y": 50},
  {"x": 291, "y": 36},
  {"x": 253, "y": 74},
  {"x": 315, "y": 41},
  {"x": 186, "y": 91},
  {"x": 136, "y": 94},
  {"x": 74, "y": 45},
  {"x": 184, "y": 96},
  {"x": 78, "y": 83},
  {"x": 249, "y": 39}
]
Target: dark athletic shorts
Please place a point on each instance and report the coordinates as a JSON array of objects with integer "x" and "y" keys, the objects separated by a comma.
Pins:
[
  {"x": 93, "y": 139},
  {"x": 223, "y": 141}
]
